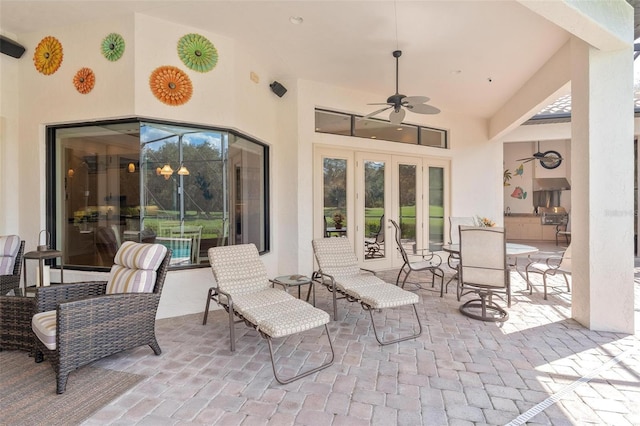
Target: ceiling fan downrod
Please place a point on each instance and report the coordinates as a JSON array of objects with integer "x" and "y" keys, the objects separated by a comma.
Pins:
[{"x": 396, "y": 99}]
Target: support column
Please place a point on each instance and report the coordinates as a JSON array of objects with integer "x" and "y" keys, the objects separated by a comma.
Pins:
[{"x": 602, "y": 180}]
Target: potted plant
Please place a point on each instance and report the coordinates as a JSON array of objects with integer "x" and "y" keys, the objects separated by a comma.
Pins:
[{"x": 338, "y": 219}]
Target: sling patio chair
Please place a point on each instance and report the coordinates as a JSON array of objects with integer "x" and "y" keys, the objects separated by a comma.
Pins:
[
  {"x": 422, "y": 260},
  {"x": 244, "y": 291},
  {"x": 483, "y": 270},
  {"x": 82, "y": 322},
  {"x": 374, "y": 243},
  {"x": 454, "y": 236},
  {"x": 11, "y": 258},
  {"x": 553, "y": 265},
  {"x": 564, "y": 229},
  {"x": 340, "y": 273}
]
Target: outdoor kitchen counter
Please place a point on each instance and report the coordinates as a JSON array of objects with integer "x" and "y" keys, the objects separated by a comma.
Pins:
[{"x": 524, "y": 226}]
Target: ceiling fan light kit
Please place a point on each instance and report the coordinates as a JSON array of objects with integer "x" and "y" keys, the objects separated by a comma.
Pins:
[{"x": 399, "y": 103}]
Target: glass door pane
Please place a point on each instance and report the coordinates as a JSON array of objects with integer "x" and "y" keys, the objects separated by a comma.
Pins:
[
  {"x": 408, "y": 220},
  {"x": 335, "y": 197},
  {"x": 374, "y": 208},
  {"x": 436, "y": 208}
]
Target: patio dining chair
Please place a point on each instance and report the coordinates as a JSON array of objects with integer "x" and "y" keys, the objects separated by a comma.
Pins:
[
  {"x": 454, "y": 236},
  {"x": 11, "y": 251},
  {"x": 244, "y": 291},
  {"x": 79, "y": 323},
  {"x": 564, "y": 229},
  {"x": 553, "y": 265},
  {"x": 338, "y": 270},
  {"x": 374, "y": 243},
  {"x": 483, "y": 270},
  {"x": 420, "y": 261}
]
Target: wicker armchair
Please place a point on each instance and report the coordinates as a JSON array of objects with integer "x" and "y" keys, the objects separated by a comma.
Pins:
[
  {"x": 13, "y": 251},
  {"x": 78, "y": 323}
]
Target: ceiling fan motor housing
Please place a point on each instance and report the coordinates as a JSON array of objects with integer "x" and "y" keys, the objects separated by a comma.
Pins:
[{"x": 396, "y": 100}]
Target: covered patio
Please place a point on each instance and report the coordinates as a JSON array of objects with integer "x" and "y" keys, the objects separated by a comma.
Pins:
[
  {"x": 571, "y": 359},
  {"x": 540, "y": 367}
]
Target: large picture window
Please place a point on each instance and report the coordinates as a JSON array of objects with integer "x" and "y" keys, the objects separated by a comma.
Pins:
[{"x": 189, "y": 188}]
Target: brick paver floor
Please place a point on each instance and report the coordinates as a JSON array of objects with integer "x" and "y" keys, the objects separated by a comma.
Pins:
[{"x": 540, "y": 367}]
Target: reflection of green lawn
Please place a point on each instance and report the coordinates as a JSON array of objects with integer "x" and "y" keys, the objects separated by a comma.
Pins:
[{"x": 211, "y": 226}]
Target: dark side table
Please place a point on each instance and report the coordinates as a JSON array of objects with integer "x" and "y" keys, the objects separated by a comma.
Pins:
[{"x": 297, "y": 281}]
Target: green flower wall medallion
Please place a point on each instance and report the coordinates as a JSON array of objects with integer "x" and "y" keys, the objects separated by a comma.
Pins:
[
  {"x": 197, "y": 53},
  {"x": 113, "y": 47}
]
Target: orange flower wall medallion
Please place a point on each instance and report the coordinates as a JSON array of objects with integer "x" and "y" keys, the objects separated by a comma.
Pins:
[
  {"x": 48, "y": 55},
  {"x": 84, "y": 80},
  {"x": 170, "y": 85}
]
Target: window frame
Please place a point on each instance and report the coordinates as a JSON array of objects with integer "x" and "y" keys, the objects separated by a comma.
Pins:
[
  {"x": 353, "y": 131},
  {"x": 51, "y": 179}
]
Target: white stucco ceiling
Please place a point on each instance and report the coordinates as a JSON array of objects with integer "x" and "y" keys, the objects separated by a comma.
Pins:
[{"x": 467, "y": 56}]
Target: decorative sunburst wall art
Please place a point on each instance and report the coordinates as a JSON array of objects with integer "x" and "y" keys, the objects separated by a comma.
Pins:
[
  {"x": 84, "y": 80},
  {"x": 197, "y": 52},
  {"x": 48, "y": 55},
  {"x": 170, "y": 85},
  {"x": 113, "y": 47}
]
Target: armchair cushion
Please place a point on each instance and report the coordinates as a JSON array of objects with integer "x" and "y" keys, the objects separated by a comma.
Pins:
[
  {"x": 44, "y": 327},
  {"x": 9, "y": 246},
  {"x": 125, "y": 280},
  {"x": 140, "y": 256},
  {"x": 135, "y": 268}
]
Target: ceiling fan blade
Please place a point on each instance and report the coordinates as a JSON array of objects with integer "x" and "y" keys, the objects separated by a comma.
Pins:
[
  {"x": 414, "y": 100},
  {"x": 526, "y": 160},
  {"x": 423, "y": 109},
  {"x": 375, "y": 113},
  {"x": 381, "y": 103},
  {"x": 396, "y": 117}
]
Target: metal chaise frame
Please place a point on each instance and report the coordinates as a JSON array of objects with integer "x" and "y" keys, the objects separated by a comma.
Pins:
[{"x": 215, "y": 293}]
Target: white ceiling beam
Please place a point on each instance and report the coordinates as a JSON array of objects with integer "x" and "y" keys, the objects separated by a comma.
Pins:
[
  {"x": 603, "y": 23},
  {"x": 540, "y": 90}
]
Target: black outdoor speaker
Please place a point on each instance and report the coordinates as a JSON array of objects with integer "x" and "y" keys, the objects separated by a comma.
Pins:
[
  {"x": 278, "y": 89},
  {"x": 10, "y": 47}
]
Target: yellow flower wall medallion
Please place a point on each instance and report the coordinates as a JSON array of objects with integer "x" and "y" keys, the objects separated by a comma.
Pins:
[
  {"x": 48, "y": 55},
  {"x": 170, "y": 85},
  {"x": 84, "y": 80}
]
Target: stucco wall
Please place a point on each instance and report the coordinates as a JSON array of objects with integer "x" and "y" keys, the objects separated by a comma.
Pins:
[{"x": 225, "y": 97}]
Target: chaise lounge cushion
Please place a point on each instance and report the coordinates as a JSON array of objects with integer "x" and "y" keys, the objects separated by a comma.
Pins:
[
  {"x": 9, "y": 246},
  {"x": 239, "y": 270},
  {"x": 286, "y": 317},
  {"x": 376, "y": 293}
]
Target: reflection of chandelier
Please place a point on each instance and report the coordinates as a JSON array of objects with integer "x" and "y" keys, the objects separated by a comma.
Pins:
[
  {"x": 167, "y": 171},
  {"x": 131, "y": 168},
  {"x": 183, "y": 170}
]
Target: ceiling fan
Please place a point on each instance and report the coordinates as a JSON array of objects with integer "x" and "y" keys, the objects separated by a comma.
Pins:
[
  {"x": 400, "y": 103},
  {"x": 548, "y": 159}
]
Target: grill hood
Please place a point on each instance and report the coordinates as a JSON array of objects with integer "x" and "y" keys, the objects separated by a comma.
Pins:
[{"x": 551, "y": 184}]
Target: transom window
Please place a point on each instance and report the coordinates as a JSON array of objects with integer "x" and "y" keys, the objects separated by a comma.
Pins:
[
  {"x": 189, "y": 188},
  {"x": 338, "y": 123}
]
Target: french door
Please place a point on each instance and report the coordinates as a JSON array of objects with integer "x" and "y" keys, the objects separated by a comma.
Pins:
[{"x": 368, "y": 189}]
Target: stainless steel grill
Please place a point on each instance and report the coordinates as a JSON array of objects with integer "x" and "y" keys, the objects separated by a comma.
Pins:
[{"x": 553, "y": 218}]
